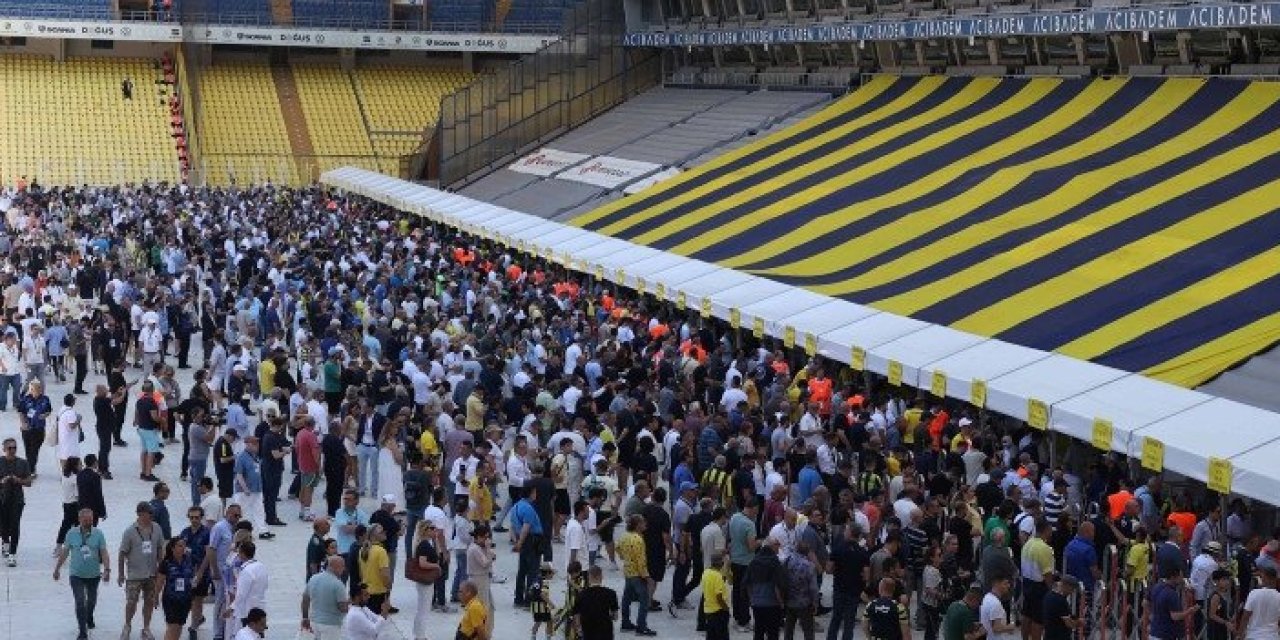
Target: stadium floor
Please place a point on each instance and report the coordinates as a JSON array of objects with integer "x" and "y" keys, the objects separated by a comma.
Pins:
[{"x": 1129, "y": 221}]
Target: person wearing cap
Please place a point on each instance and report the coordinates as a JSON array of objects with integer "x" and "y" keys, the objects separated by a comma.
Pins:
[
  {"x": 1202, "y": 567},
  {"x": 255, "y": 625},
  {"x": 685, "y": 541},
  {"x": 141, "y": 546},
  {"x": 150, "y": 340},
  {"x": 248, "y": 486}
]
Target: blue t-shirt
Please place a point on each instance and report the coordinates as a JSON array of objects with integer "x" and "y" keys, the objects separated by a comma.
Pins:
[
  {"x": 810, "y": 480},
  {"x": 220, "y": 538},
  {"x": 341, "y": 519},
  {"x": 1164, "y": 601},
  {"x": 84, "y": 552},
  {"x": 525, "y": 513},
  {"x": 1079, "y": 559},
  {"x": 177, "y": 578},
  {"x": 251, "y": 469}
]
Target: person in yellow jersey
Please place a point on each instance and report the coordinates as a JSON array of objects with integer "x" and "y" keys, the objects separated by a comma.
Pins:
[
  {"x": 480, "y": 496},
  {"x": 715, "y": 598},
  {"x": 474, "y": 623},
  {"x": 375, "y": 570},
  {"x": 1036, "y": 571}
]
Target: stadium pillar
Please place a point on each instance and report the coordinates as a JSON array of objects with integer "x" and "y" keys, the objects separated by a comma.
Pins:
[
  {"x": 887, "y": 55},
  {"x": 993, "y": 50},
  {"x": 347, "y": 59},
  {"x": 468, "y": 61},
  {"x": 1184, "y": 47},
  {"x": 1129, "y": 49},
  {"x": 60, "y": 50}
]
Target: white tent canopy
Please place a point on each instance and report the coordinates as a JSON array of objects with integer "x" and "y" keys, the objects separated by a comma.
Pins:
[{"x": 1119, "y": 410}]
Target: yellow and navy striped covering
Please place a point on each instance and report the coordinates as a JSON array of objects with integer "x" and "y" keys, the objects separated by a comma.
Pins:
[{"x": 1132, "y": 222}]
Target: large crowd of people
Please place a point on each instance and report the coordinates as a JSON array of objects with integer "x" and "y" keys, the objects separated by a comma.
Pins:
[{"x": 492, "y": 403}]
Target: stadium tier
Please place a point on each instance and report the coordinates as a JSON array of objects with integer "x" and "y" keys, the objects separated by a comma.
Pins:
[
  {"x": 242, "y": 127},
  {"x": 400, "y": 103},
  {"x": 332, "y": 112},
  {"x": 1132, "y": 222},
  {"x": 56, "y": 8},
  {"x": 458, "y": 15},
  {"x": 69, "y": 123}
]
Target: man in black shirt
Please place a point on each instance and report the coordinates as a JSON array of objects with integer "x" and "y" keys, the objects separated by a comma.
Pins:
[
  {"x": 1059, "y": 624},
  {"x": 275, "y": 450},
  {"x": 15, "y": 475},
  {"x": 316, "y": 545},
  {"x": 146, "y": 417},
  {"x": 657, "y": 541},
  {"x": 850, "y": 569},
  {"x": 596, "y": 607},
  {"x": 334, "y": 464}
]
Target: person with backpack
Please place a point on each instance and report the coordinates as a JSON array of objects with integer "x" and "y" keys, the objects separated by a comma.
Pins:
[{"x": 886, "y": 619}]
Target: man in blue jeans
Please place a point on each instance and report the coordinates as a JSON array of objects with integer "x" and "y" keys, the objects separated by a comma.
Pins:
[
  {"x": 90, "y": 564},
  {"x": 529, "y": 533},
  {"x": 635, "y": 569},
  {"x": 10, "y": 369}
]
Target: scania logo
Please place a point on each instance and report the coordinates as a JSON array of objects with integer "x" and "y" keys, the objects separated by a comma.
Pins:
[
  {"x": 319, "y": 38},
  {"x": 126, "y": 31}
]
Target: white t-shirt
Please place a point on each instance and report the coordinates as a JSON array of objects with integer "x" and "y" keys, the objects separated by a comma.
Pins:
[
  {"x": 68, "y": 434},
  {"x": 575, "y": 538},
  {"x": 212, "y": 506},
  {"x": 1264, "y": 605},
  {"x": 993, "y": 610}
]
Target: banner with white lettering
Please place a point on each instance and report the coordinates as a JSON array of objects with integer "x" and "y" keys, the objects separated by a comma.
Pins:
[
  {"x": 546, "y": 162},
  {"x": 1033, "y": 23},
  {"x": 271, "y": 36},
  {"x": 645, "y": 183},
  {"x": 609, "y": 172}
]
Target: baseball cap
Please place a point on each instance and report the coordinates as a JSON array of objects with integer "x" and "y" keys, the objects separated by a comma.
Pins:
[
  {"x": 687, "y": 486},
  {"x": 388, "y": 498}
]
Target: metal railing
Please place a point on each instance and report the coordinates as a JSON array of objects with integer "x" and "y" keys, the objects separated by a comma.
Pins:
[{"x": 501, "y": 115}]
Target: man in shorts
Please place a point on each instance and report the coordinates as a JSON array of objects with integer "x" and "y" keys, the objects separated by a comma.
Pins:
[
  {"x": 307, "y": 446},
  {"x": 141, "y": 547},
  {"x": 147, "y": 418}
]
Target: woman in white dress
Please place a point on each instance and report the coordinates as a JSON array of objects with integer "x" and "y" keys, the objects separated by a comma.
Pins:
[{"x": 390, "y": 466}]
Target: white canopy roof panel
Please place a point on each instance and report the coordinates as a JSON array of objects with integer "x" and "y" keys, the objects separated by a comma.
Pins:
[
  {"x": 1128, "y": 403},
  {"x": 1048, "y": 381},
  {"x": 983, "y": 361},
  {"x": 1219, "y": 429},
  {"x": 776, "y": 309},
  {"x": 918, "y": 349}
]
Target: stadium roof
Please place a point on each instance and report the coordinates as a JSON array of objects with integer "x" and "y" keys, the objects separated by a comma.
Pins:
[{"x": 1170, "y": 427}]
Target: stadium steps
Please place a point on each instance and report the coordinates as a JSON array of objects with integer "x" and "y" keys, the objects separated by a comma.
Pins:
[
  {"x": 282, "y": 12},
  {"x": 295, "y": 120}
]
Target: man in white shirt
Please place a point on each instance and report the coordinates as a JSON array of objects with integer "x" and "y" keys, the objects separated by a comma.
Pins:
[
  {"x": 68, "y": 429},
  {"x": 811, "y": 426},
  {"x": 150, "y": 339},
  {"x": 361, "y": 622},
  {"x": 575, "y": 534},
  {"x": 255, "y": 625},
  {"x": 1261, "y": 617},
  {"x": 733, "y": 395},
  {"x": 992, "y": 614},
  {"x": 251, "y": 589}
]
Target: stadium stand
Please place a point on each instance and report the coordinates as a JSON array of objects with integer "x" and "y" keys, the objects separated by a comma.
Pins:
[
  {"x": 530, "y": 15},
  {"x": 1123, "y": 221},
  {"x": 68, "y": 122},
  {"x": 668, "y": 127},
  {"x": 56, "y": 8},
  {"x": 235, "y": 11},
  {"x": 332, "y": 111},
  {"x": 354, "y": 13},
  {"x": 241, "y": 126},
  {"x": 399, "y": 103},
  {"x": 458, "y": 15}
]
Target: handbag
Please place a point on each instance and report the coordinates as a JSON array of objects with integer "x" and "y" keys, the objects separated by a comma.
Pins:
[{"x": 415, "y": 573}]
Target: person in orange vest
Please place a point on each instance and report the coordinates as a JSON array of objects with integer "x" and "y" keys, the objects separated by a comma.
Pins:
[
  {"x": 1183, "y": 517},
  {"x": 820, "y": 391},
  {"x": 606, "y": 301},
  {"x": 1117, "y": 501},
  {"x": 514, "y": 272}
]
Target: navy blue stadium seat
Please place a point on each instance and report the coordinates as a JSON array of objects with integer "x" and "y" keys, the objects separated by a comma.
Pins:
[
  {"x": 459, "y": 15},
  {"x": 230, "y": 11},
  {"x": 535, "y": 15},
  {"x": 96, "y": 9},
  {"x": 360, "y": 13}
]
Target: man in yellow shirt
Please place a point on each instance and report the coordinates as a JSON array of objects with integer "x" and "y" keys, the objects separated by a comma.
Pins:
[
  {"x": 429, "y": 446},
  {"x": 1037, "y": 566},
  {"x": 267, "y": 376},
  {"x": 475, "y": 411},
  {"x": 635, "y": 568},
  {"x": 481, "y": 496},
  {"x": 474, "y": 625},
  {"x": 715, "y": 598}
]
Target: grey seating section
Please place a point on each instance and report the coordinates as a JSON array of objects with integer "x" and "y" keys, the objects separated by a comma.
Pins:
[
  {"x": 547, "y": 198},
  {"x": 498, "y": 184},
  {"x": 1255, "y": 382},
  {"x": 1255, "y": 69},
  {"x": 670, "y": 127}
]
